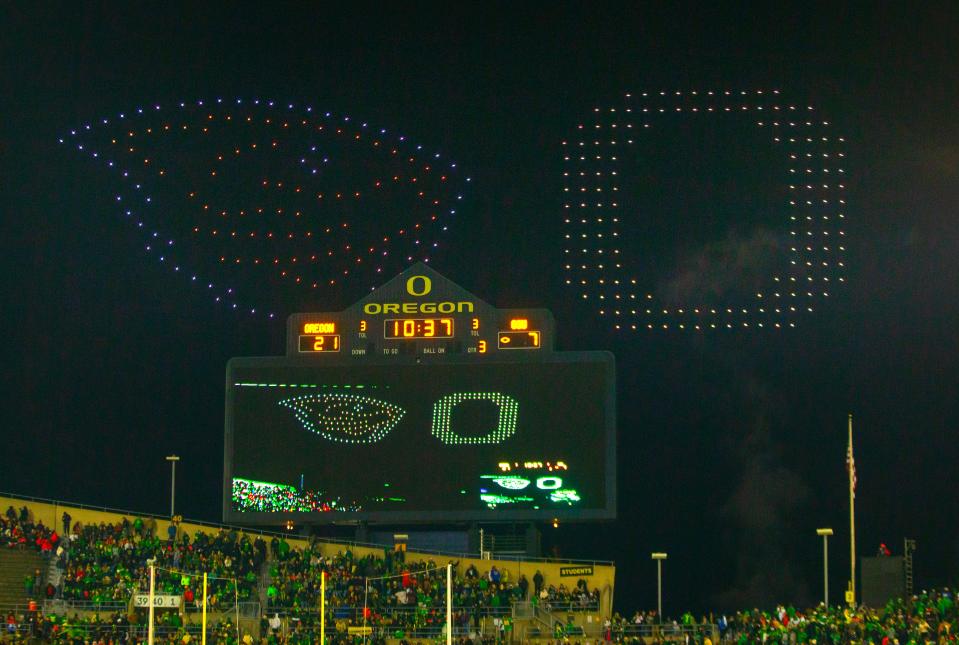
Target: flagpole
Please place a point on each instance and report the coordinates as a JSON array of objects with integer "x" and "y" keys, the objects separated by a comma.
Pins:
[{"x": 852, "y": 519}]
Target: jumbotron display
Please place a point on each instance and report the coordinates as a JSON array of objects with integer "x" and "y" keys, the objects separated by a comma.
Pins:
[
  {"x": 420, "y": 403},
  {"x": 417, "y": 442}
]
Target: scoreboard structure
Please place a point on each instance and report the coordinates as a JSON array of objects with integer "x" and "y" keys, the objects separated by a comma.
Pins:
[
  {"x": 420, "y": 403},
  {"x": 420, "y": 314}
]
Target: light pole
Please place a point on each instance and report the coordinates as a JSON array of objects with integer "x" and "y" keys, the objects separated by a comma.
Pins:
[
  {"x": 825, "y": 533},
  {"x": 172, "y": 459},
  {"x": 659, "y": 557}
]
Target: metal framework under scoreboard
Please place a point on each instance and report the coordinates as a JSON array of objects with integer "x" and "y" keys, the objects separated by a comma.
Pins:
[{"x": 321, "y": 434}]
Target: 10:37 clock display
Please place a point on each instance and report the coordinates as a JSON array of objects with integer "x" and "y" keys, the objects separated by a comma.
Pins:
[{"x": 418, "y": 328}]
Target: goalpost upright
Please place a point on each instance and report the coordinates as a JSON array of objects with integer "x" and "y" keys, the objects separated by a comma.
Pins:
[
  {"x": 150, "y": 600},
  {"x": 449, "y": 604},
  {"x": 203, "y": 619}
]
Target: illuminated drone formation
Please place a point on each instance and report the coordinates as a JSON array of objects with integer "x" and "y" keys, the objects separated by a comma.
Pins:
[
  {"x": 600, "y": 263},
  {"x": 265, "y": 204},
  {"x": 345, "y": 418}
]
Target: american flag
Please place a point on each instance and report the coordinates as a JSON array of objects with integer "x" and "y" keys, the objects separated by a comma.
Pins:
[{"x": 851, "y": 466}]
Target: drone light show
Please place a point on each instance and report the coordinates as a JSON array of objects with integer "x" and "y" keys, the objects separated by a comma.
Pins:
[
  {"x": 265, "y": 205},
  {"x": 704, "y": 210}
]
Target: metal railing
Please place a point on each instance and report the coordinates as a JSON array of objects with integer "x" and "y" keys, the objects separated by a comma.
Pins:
[
  {"x": 426, "y": 632},
  {"x": 62, "y": 605},
  {"x": 393, "y": 631},
  {"x": 665, "y": 630},
  {"x": 92, "y": 630},
  {"x": 193, "y": 629},
  {"x": 503, "y": 544},
  {"x": 355, "y": 614},
  {"x": 21, "y": 630},
  {"x": 388, "y": 623},
  {"x": 569, "y": 605},
  {"x": 279, "y": 534},
  {"x": 249, "y": 609}
]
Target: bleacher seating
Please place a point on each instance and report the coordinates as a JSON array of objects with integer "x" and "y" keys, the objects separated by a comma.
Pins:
[
  {"x": 99, "y": 565},
  {"x": 17, "y": 564}
]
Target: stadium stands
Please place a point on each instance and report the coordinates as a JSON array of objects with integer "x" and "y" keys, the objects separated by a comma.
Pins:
[
  {"x": 924, "y": 618},
  {"x": 77, "y": 587},
  {"x": 88, "y": 577}
]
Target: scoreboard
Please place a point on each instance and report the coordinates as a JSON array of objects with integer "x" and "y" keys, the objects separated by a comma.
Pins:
[
  {"x": 420, "y": 314},
  {"x": 420, "y": 403}
]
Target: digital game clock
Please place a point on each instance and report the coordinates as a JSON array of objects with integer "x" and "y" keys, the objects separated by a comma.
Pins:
[{"x": 418, "y": 328}]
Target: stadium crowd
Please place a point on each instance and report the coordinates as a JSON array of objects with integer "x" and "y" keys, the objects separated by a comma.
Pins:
[
  {"x": 928, "y": 617},
  {"x": 107, "y": 562},
  {"x": 114, "y": 629},
  {"x": 924, "y": 619},
  {"x": 18, "y": 530},
  {"x": 103, "y": 565},
  {"x": 405, "y": 597}
]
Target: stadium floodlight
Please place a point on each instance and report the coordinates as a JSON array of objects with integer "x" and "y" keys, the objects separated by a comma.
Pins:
[
  {"x": 172, "y": 459},
  {"x": 659, "y": 557},
  {"x": 825, "y": 533}
]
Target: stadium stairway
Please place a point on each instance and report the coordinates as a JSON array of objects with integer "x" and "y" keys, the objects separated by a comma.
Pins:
[
  {"x": 263, "y": 582},
  {"x": 54, "y": 573},
  {"x": 15, "y": 565}
]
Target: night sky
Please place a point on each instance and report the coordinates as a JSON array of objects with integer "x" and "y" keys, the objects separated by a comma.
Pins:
[{"x": 731, "y": 444}]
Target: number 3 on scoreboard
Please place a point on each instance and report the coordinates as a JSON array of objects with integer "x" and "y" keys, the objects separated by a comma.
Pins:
[{"x": 481, "y": 347}]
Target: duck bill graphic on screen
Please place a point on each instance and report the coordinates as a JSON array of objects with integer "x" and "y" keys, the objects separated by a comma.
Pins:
[{"x": 345, "y": 418}]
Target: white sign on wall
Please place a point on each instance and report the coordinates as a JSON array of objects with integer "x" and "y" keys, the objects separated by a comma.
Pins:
[{"x": 165, "y": 601}]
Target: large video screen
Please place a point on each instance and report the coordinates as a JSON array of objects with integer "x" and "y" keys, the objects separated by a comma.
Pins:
[{"x": 433, "y": 442}]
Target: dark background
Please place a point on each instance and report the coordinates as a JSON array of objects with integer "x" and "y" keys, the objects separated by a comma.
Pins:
[
  {"x": 560, "y": 417},
  {"x": 731, "y": 446}
]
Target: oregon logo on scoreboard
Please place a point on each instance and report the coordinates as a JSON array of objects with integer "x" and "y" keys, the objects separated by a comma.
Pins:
[
  {"x": 389, "y": 299},
  {"x": 411, "y": 285}
]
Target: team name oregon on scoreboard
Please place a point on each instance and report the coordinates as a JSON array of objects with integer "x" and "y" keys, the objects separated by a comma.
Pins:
[
  {"x": 375, "y": 308},
  {"x": 418, "y": 285}
]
